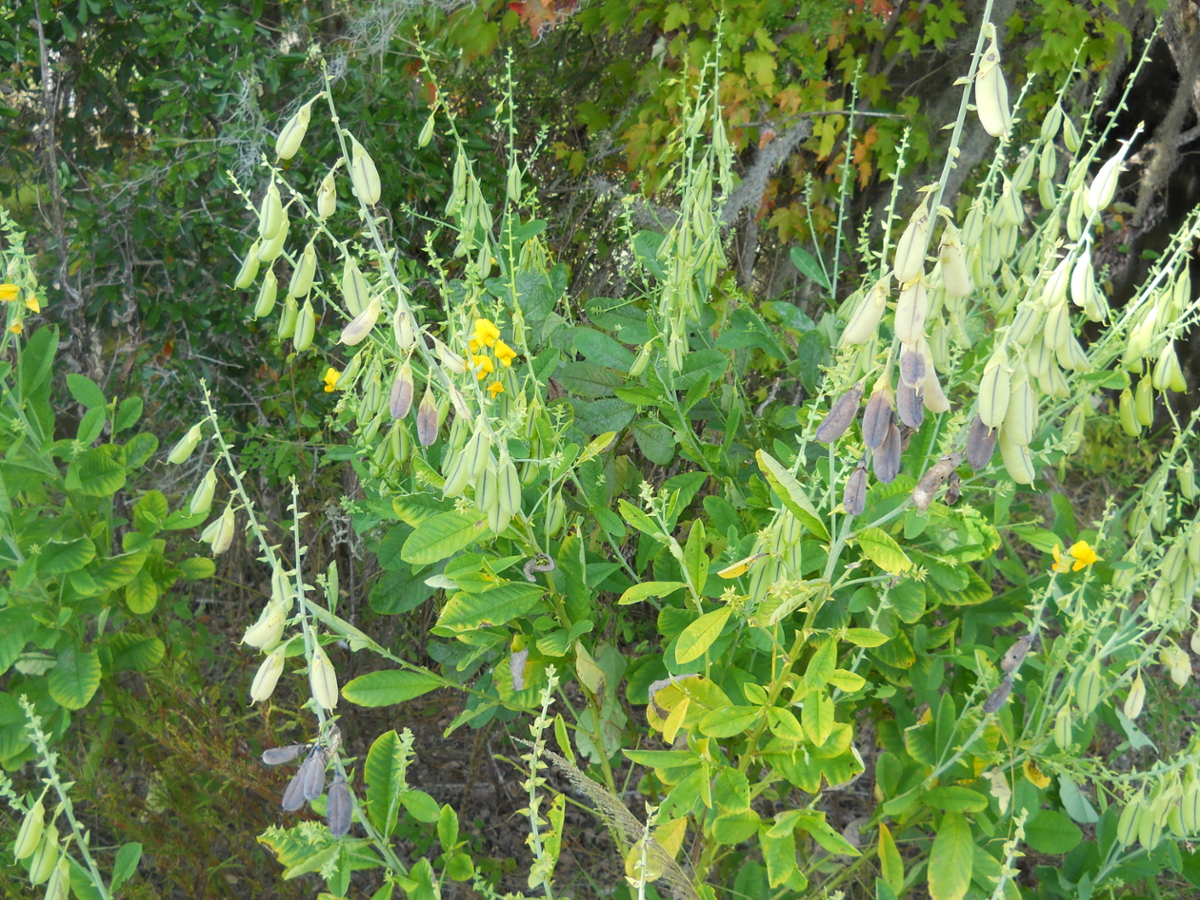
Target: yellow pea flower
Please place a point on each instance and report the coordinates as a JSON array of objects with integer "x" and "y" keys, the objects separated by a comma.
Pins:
[
  {"x": 505, "y": 353},
  {"x": 15, "y": 329},
  {"x": 1080, "y": 556},
  {"x": 482, "y": 366},
  {"x": 31, "y": 303},
  {"x": 495, "y": 388},
  {"x": 331, "y": 378},
  {"x": 486, "y": 332},
  {"x": 8, "y": 292}
]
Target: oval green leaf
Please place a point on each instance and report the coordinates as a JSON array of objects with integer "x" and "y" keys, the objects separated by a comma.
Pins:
[
  {"x": 74, "y": 679},
  {"x": 951, "y": 859},
  {"x": 700, "y": 635},
  {"x": 388, "y": 687}
]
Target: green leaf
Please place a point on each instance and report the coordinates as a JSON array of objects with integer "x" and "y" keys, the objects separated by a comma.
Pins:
[
  {"x": 655, "y": 440},
  {"x": 601, "y": 350},
  {"x": 138, "y": 449},
  {"x": 1076, "y": 804},
  {"x": 783, "y": 724},
  {"x": 389, "y": 687},
  {"x": 865, "y": 637},
  {"x": 150, "y": 512},
  {"x": 890, "y": 862},
  {"x": 647, "y": 589},
  {"x": 467, "y": 612},
  {"x": 821, "y": 666},
  {"x": 442, "y": 536},
  {"x": 809, "y": 267},
  {"x": 139, "y": 653},
  {"x": 58, "y": 558},
  {"x": 91, "y": 425},
  {"x": 695, "y": 558},
  {"x": 638, "y": 519},
  {"x": 1052, "y": 832},
  {"x": 141, "y": 594},
  {"x": 735, "y": 827},
  {"x": 847, "y": 681},
  {"x": 882, "y": 550},
  {"x": 101, "y": 471},
  {"x": 197, "y": 568},
  {"x": 16, "y": 626},
  {"x": 700, "y": 635},
  {"x": 788, "y": 489},
  {"x": 125, "y": 865},
  {"x": 128, "y": 414},
  {"x": 421, "y": 806},
  {"x": 817, "y": 717},
  {"x": 955, "y": 798},
  {"x": 447, "y": 828},
  {"x": 951, "y": 859},
  {"x": 37, "y": 359},
  {"x": 117, "y": 571},
  {"x": 85, "y": 391},
  {"x": 385, "y": 771},
  {"x": 75, "y": 677},
  {"x": 602, "y": 416},
  {"x": 729, "y": 721},
  {"x": 589, "y": 380}
]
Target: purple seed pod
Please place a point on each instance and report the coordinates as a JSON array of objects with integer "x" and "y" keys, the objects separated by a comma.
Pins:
[
  {"x": 854, "y": 500},
  {"x": 887, "y": 457},
  {"x": 908, "y": 406},
  {"x": 427, "y": 419},
  {"x": 1015, "y": 655},
  {"x": 312, "y": 776},
  {"x": 953, "y": 489},
  {"x": 834, "y": 425},
  {"x": 277, "y": 755},
  {"x": 339, "y": 808},
  {"x": 981, "y": 444},
  {"x": 878, "y": 415},
  {"x": 402, "y": 392},
  {"x": 999, "y": 696},
  {"x": 912, "y": 368}
]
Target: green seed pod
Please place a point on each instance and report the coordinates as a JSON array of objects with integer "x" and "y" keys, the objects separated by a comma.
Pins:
[
  {"x": 1023, "y": 176},
  {"x": 1071, "y": 136},
  {"x": 1051, "y": 123},
  {"x": 1046, "y": 193},
  {"x": 292, "y": 134},
  {"x": 911, "y": 310},
  {"x": 1075, "y": 216},
  {"x": 266, "y": 295},
  {"x": 864, "y": 322},
  {"x": 45, "y": 856},
  {"x": 327, "y": 197},
  {"x": 1104, "y": 187},
  {"x": 1127, "y": 824},
  {"x": 363, "y": 174},
  {"x": 273, "y": 247},
  {"x": 287, "y": 319},
  {"x": 1020, "y": 420},
  {"x": 30, "y": 833},
  {"x": 1054, "y": 385},
  {"x": 59, "y": 885},
  {"x": 302, "y": 275},
  {"x": 354, "y": 288},
  {"x": 1018, "y": 461},
  {"x": 202, "y": 498},
  {"x": 1089, "y": 688},
  {"x": 268, "y": 630},
  {"x": 1073, "y": 430},
  {"x": 1126, "y": 414},
  {"x": 1190, "y": 807},
  {"x": 183, "y": 449},
  {"x": 556, "y": 514},
  {"x": 1026, "y": 324},
  {"x": 1187, "y": 487},
  {"x": 1006, "y": 242},
  {"x": 1062, "y": 729},
  {"x": 909, "y": 260},
  {"x": 1009, "y": 209},
  {"x": 991, "y": 93},
  {"x": 306, "y": 328},
  {"x": 267, "y": 676},
  {"x": 1150, "y": 824},
  {"x": 323, "y": 680},
  {"x": 1136, "y": 698},
  {"x": 249, "y": 269},
  {"x": 271, "y": 214},
  {"x": 994, "y": 389},
  {"x": 1143, "y": 403},
  {"x": 426, "y": 134},
  {"x": 513, "y": 187},
  {"x": 1167, "y": 371}
]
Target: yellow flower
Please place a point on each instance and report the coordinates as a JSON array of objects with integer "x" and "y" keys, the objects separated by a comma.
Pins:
[
  {"x": 482, "y": 366},
  {"x": 31, "y": 302},
  {"x": 505, "y": 353},
  {"x": 486, "y": 332},
  {"x": 495, "y": 388},
  {"x": 8, "y": 292},
  {"x": 475, "y": 345},
  {"x": 15, "y": 329},
  {"x": 331, "y": 378},
  {"x": 1080, "y": 556}
]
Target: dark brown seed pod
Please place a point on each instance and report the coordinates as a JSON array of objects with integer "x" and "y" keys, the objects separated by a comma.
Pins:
[
  {"x": 877, "y": 416},
  {"x": 953, "y": 489},
  {"x": 855, "y": 497},
  {"x": 909, "y": 407},
  {"x": 933, "y": 479},
  {"x": 887, "y": 457},
  {"x": 999, "y": 696},
  {"x": 1015, "y": 655},
  {"x": 339, "y": 808},
  {"x": 912, "y": 368},
  {"x": 981, "y": 444},
  {"x": 835, "y": 423}
]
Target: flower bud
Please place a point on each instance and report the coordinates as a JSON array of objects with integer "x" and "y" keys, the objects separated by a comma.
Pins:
[
  {"x": 865, "y": 319},
  {"x": 219, "y": 533},
  {"x": 282, "y": 592},
  {"x": 181, "y": 451},
  {"x": 323, "y": 680},
  {"x": 1104, "y": 187},
  {"x": 361, "y": 325},
  {"x": 268, "y": 675},
  {"x": 991, "y": 93},
  {"x": 202, "y": 497},
  {"x": 363, "y": 174}
]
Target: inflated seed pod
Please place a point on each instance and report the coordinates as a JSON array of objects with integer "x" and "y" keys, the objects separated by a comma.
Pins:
[
  {"x": 45, "y": 855},
  {"x": 306, "y": 327},
  {"x": 287, "y": 319},
  {"x": 426, "y": 134},
  {"x": 1125, "y": 413},
  {"x": 1089, "y": 687},
  {"x": 1015, "y": 655},
  {"x": 909, "y": 260},
  {"x": 840, "y": 415},
  {"x": 956, "y": 278},
  {"x": 1075, "y": 216},
  {"x": 355, "y": 291},
  {"x": 878, "y": 415},
  {"x": 1038, "y": 358},
  {"x": 363, "y": 174},
  {"x": 911, "y": 310},
  {"x": 1136, "y": 698},
  {"x": 1143, "y": 402},
  {"x": 1104, "y": 185},
  {"x": 1023, "y": 175},
  {"x": 997, "y": 698},
  {"x": 1073, "y": 429},
  {"x": 270, "y": 249},
  {"x": 912, "y": 365},
  {"x": 1026, "y": 324},
  {"x": 327, "y": 197},
  {"x": 460, "y": 465},
  {"x": 931, "y": 482},
  {"x": 400, "y": 401},
  {"x": 1071, "y": 136},
  {"x": 1009, "y": 209},
  {"x": 854, "y": 498},
  {"x": 427, "y": 419},
  {"x": 306, "y": 269},
  {"x": 339, "y": 808},
  {"x": 1167, "y": 372},
  {"x": 267, "y": 676},
  {"x": 981, "y": 444},
  {"x": 1047, "y": 193},
  {"x": 249, "y": 268},
  {"x": 291, "y": 136},
  {"x": 1062, "y": 729},
  {"x": 361, "y": 325},
  {"x": 1057, "y": 329},
  {"x": 59, "y": 885},
  {"x": 864, "y": 322},
  {"x": 1020, "y": 421},
  {"x": 1128, "y": 821},
  {"x": 909, "y": 406},
  {"x": 267, "y": 631},
  {"x": 1017, "y": 460},
  {"x": 991, "y": 92},
  {"x": 30, "y": 833},
  {"x": 271, "y": 215},
  {"x": 323, "y": 681},
  {"x": 1187, "y": 487},
  {"x": 886, "y": 459},
  {"x": 994, "y": 389},
  {"x": 266, "y": 295},
  {"x": 556, "y": 514},
  {"x": 1054, "y": 385},
  {"x": 1051, "y": 123},
  {"x": 931, "y": 394},
  {"x": 182, "y": 450}
]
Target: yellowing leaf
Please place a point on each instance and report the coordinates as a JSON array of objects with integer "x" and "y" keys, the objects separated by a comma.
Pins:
[
  {"x": 890, "y": 861},
  {"x": 674, "y": 720},
  {"x": 1036, "y": 775},
  {"x": 882, "y": 550}
]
